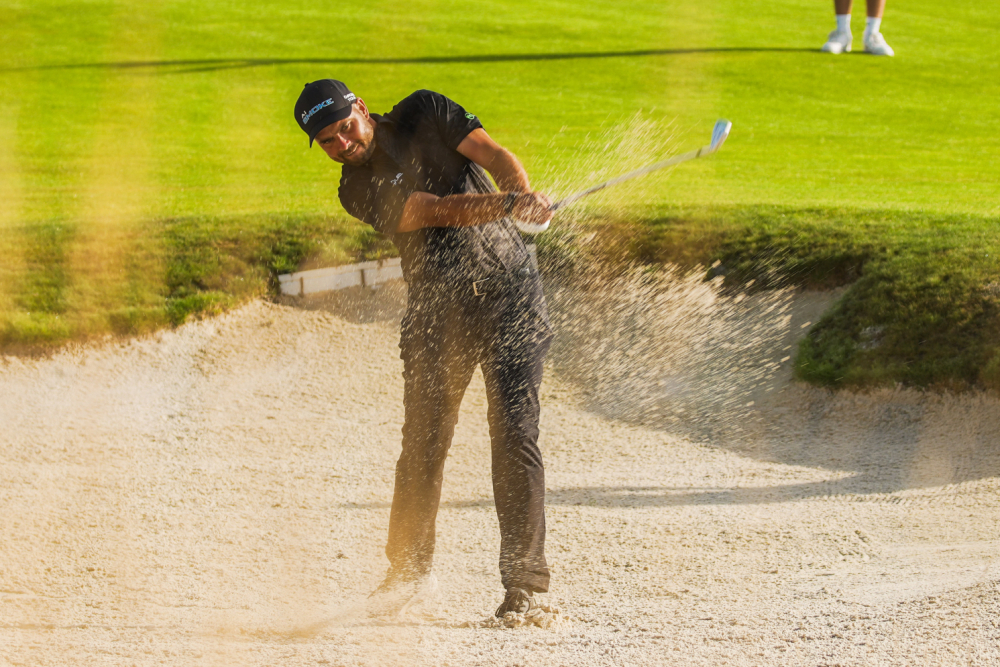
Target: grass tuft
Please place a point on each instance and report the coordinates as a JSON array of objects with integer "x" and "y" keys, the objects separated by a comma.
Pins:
[{"x": 43, "y": 292}]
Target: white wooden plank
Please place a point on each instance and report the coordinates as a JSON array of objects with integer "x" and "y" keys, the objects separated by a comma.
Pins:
[
  {"x": 340, "y": 277},
  {"x": 366, "y": 274},
  {"x": 313, "y": 284},
  {"x": 372, "y": 277}
]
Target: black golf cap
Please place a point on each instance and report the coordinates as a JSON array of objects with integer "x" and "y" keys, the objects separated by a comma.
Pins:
[{"x": 322, "y": 103}]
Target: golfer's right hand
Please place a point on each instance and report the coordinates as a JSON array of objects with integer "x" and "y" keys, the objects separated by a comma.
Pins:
[{"x": 532, "y": 207}]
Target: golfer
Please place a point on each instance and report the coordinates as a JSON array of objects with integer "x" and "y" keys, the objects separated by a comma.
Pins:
[{"x": 417, "y": 175}]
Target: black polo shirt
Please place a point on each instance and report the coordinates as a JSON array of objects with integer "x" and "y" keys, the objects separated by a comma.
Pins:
[{"x": 415, "y": 151}]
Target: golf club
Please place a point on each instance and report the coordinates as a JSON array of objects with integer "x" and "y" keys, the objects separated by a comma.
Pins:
[{"x": 719, "y": 134}]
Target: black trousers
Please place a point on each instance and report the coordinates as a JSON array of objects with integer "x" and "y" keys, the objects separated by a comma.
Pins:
[{"x": 445, "y": 333}]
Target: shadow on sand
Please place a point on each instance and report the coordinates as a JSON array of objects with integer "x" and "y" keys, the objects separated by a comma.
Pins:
[
  {"x": 358, "y": 305},
  {"x": 861, "y": 488}
]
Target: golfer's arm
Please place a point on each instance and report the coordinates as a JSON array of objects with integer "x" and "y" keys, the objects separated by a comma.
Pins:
[
  {"x": 503, "y": 166},
  {"x": 422, "y": 209}
]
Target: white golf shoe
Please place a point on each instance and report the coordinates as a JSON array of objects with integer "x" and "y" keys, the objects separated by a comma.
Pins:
[
  {"x": 875, "y": 45},
  {"x": 839, "y": 41}
]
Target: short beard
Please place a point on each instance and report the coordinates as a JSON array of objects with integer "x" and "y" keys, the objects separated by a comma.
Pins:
[{"x": 362, "y": 155}]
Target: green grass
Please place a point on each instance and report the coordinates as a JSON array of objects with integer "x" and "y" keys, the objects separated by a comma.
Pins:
[
  {"x": 150, "y": 168},
  {"x": 203, "y": 265}
]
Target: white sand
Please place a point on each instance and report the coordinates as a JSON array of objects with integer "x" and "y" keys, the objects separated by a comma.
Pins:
[{"x": 219, "y": 494}]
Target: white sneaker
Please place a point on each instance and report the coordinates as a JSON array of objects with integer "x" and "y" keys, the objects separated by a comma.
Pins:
[
  {"x": 875, "y": 45},
  {"x": 839, "y": 41}
]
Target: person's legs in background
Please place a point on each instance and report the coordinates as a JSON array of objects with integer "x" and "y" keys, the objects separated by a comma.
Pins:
[
  {"x": 840, "y": 40},
  {"x": 874, "y": 41}
]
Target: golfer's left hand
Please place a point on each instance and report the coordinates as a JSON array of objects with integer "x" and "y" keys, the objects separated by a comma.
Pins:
[{"x": 533, "y": 207}]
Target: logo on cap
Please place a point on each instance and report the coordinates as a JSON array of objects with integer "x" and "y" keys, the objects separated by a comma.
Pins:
[{"x": 312, "y": 112}]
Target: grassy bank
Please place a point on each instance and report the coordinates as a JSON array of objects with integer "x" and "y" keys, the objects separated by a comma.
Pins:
[
  {"x": 175, "y": 269},
  {"x": 150, "y": 168}
]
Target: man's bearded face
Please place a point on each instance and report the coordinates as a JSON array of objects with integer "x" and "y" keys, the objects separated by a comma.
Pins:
[{"x": 351, "y": 140}]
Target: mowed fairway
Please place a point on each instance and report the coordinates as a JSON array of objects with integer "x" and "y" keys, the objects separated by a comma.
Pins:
[{"x": 184, "y": 108}]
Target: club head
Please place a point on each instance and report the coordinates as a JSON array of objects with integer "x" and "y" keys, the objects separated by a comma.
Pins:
[
  {"x": 719, "y": 133},
  {"x": 532, "y": 228}
]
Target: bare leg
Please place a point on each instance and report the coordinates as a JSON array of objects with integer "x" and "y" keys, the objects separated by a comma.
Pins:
[
  {"x": 874, "y": 41},
  {"x": 839, "y": 40},
  {"x": 844, "y": 6}
]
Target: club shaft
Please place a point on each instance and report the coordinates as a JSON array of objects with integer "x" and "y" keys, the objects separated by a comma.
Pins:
[{"x": 677, "y": 159}]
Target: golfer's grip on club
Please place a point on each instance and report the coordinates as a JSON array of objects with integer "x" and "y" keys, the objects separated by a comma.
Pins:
[
  {"x": 719, "y": 134},
  {"x": 530, "y": 209}
]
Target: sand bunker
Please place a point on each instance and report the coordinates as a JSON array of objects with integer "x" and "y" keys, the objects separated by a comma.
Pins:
[{"x": 219, "y": 494}]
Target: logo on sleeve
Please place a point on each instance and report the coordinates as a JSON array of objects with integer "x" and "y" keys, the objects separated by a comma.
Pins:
[
  {"x": 470, "y": 116},
  {"x": 398, "y": 178}
]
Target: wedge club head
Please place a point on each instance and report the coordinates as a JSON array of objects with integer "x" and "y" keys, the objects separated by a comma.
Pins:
[{"x": 719, "y": 134}]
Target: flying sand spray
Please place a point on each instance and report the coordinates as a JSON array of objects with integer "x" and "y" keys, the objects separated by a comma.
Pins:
[{"x": 719, "y": 134}]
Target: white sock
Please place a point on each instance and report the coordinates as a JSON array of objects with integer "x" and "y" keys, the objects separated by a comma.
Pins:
[
  {"x": 844, "y": 22},
  {"x": 872, "y": 25}
]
